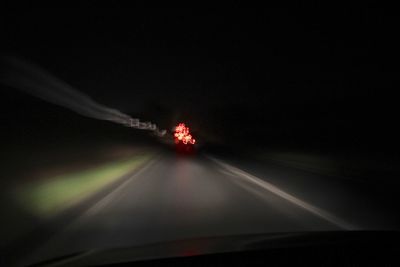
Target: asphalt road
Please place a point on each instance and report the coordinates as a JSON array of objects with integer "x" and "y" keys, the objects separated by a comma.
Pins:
[{"x": 176, "y": 197}]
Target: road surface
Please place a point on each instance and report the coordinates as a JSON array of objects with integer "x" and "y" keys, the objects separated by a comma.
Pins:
[{"x": 176, "y": 197}]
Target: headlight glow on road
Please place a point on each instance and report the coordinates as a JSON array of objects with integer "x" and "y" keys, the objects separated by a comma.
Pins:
[{"x": 50, "y": 195}]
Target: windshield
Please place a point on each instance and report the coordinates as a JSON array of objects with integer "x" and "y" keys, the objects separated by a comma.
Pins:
[{"x": 124, "y": 127}]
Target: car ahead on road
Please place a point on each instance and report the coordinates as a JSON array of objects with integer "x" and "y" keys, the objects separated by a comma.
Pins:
[
  {"x": 185, "y": 148},
  {"x": 350, "y": 248},
  {"x": 183, "y": 139}
]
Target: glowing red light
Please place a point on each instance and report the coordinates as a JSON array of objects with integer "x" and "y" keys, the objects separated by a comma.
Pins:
[{"x": 182, "y": 134}]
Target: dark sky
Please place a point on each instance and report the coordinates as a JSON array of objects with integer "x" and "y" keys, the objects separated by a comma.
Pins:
[{"x": 280, "y": 62}]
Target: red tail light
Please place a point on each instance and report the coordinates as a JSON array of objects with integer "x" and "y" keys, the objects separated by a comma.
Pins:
[{"x": 182, "y": 134}]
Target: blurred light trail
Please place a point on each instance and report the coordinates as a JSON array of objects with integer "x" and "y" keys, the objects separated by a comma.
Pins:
[{"x": 35, "y": 81}]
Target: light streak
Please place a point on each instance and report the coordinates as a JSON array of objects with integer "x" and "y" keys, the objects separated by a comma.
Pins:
[{"x": 36, "y": 81}]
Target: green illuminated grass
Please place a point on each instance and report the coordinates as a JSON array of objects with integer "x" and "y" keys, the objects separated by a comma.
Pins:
[{"x": 46, "y": 198}]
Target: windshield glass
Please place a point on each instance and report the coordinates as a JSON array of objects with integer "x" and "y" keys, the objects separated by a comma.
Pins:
[{"x": 127, "y": 127}]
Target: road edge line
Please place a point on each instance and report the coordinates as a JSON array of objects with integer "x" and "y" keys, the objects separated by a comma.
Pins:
[
  {"x": 279, "y": 192},
  {"x": 101, "y": 203},
  {"x": 89, "y": 211}
]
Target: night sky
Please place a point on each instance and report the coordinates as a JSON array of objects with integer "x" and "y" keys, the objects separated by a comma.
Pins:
[{"x": 277, "y": 70}]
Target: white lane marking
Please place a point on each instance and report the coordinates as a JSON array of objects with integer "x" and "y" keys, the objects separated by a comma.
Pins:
[
  {"x": 104, "y": 201},
  {"x": 76, "y": 223},
  {"x": 225, "y": 172},
  {"x": 113, "y": 194},
  {"x": 275, "y": 190}
]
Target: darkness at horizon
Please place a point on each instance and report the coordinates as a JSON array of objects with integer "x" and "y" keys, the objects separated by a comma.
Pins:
[
  {"x": 293, "y": 111},
  {"x": 303, "y": 77}
]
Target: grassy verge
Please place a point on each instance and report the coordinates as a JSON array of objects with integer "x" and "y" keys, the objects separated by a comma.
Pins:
[{"x": 50, "y": 196}]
